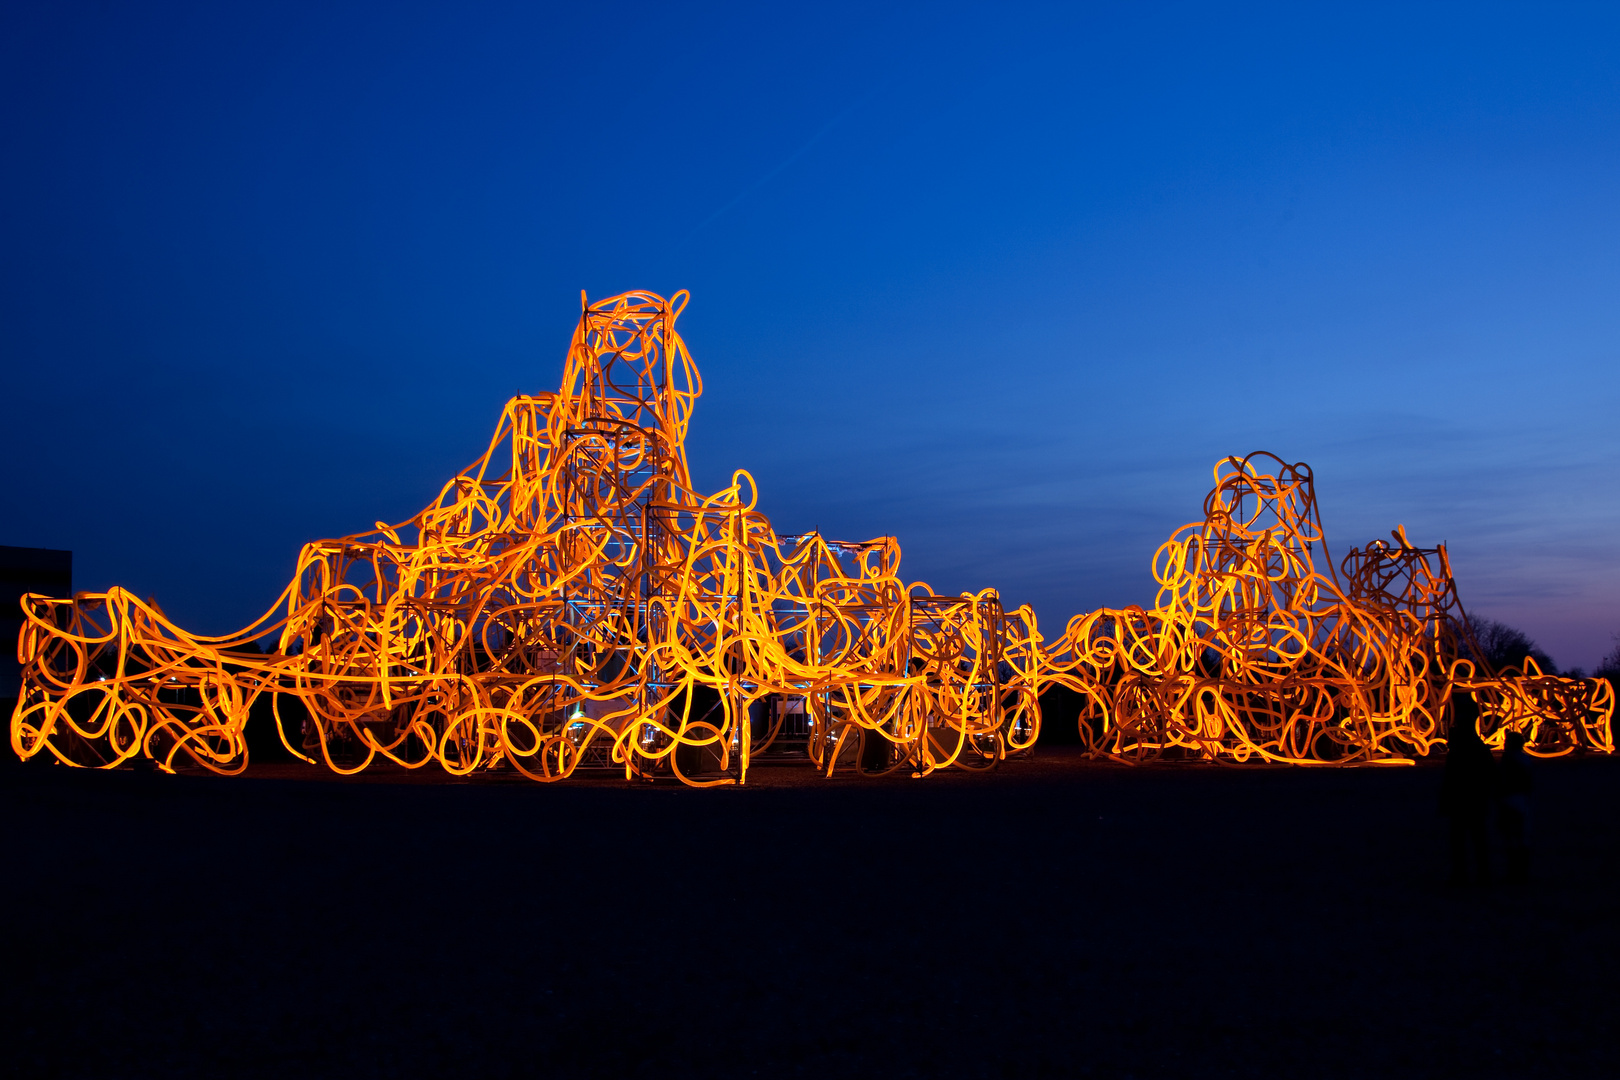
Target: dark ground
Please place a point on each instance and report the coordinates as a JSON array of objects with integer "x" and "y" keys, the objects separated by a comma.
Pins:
[{"x": 1055, "y": 918}]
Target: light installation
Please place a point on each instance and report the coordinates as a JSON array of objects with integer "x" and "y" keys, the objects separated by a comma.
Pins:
[
  {"x": 568, "y": 601},
  {"x": 1258, "y": 649}
]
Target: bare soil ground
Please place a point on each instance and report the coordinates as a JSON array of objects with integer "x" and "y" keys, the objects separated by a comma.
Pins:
[{"x": 1055, "y": 918}]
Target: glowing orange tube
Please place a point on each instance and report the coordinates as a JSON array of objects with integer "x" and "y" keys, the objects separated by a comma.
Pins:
[
  {"x": 1251, "y": 652},
  {"x": 568, "y": 601}
]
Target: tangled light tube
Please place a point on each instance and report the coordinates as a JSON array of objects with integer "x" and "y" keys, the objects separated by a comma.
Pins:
[
  {"x": 1252, "y": 652},
  {"x": 568, "y": 601}
]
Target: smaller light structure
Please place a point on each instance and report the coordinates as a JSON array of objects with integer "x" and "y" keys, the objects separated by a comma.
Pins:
[
  {"x": 569, "y": 601},
  {"x": 1253, "y": 653}
]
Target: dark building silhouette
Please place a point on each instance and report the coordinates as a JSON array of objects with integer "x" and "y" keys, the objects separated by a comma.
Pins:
[{"x": 25, "y": 570}]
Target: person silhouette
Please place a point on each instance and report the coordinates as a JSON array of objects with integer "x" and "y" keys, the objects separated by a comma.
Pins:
[
  {"x": 1466, "y": 791},
  {"x": 1513, "y": 806}
]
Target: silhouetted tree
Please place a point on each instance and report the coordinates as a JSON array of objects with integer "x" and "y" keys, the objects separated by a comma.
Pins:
[
  {"x": 1501, "y": 645},
  {"x": 1609, "y": 666}
]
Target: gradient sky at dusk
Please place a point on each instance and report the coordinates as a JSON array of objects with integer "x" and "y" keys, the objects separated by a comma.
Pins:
[{"x": 1001, "y": 281}]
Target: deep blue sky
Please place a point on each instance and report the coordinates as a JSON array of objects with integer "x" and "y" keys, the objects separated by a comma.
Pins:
[{"x": 1003, "y": 282}]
